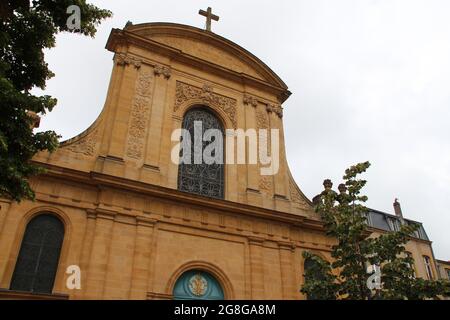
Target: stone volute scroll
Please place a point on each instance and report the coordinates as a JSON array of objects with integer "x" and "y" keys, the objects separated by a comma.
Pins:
[
  {"x": 277, "y": 109},
  {"x": 250, "y": 100},
  {"x": 123, "y": 59},
  {"x": 164, "y": 71}
]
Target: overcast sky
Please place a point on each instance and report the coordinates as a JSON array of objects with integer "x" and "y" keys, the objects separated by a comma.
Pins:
[{"x": 370, "y": 81}]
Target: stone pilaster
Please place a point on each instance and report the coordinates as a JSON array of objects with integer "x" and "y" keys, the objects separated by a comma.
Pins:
[
  {"x": 99, "y": 255},
  {"x": 257, "y": 269},
  {"x": 120, "y": 118},
  {"x": 274, "y": 113},
  {"x": 141, "y": 260},
  {"x": 86, "y": 250},
  {"x": 252, "y": 169},
  {"x": 287, "y": 272},
  {"x": 162, "y": 75}
]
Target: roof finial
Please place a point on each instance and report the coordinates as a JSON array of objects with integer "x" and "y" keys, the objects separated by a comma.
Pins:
[
  {"x": 209, "y": 16},
  {"x": 128, "y": 24}
]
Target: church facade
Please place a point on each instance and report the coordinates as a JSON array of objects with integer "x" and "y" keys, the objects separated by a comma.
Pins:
[{"x": 139, "y": 226}]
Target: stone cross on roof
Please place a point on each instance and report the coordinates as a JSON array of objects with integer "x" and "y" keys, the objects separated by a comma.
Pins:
[{"x": 209, "y": 16}]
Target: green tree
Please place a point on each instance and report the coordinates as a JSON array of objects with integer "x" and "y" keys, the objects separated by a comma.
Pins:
[
  {"x": 344, "y": 216},
  {"x": 26, "y": 29},
  {"x": 320, "y": 282}
]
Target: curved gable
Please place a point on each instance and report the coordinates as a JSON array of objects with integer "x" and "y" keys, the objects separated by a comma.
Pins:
[{"x": 209, "y": 47}]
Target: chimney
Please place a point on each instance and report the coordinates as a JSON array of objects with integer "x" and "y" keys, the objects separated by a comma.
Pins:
[{"x": 397, "y": 209}]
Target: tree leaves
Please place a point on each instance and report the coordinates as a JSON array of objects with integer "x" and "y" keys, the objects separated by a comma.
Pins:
[
  {"x": 320, "y": 283},
  {"x": 344, "y": 216},
  {"x": 26, "y": 29}
]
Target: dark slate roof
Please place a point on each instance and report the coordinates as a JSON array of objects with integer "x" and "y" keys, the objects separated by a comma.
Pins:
[{"x": 388, "y": 222}]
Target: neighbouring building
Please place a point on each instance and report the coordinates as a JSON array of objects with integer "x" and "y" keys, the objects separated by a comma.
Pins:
[{"x": 444, "y": 269}]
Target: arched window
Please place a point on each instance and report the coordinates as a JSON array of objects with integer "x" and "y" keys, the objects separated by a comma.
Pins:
[
  {"x": 201, "y": 169},
  {"x": 197, "y": 285},
  {"x": 312, "y": 268},
  {"x": 313, "y": 272},
  {"x": 38, "y": 259}
]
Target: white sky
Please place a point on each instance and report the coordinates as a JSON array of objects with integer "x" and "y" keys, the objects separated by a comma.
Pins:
[{"x": 370, "y": 81}]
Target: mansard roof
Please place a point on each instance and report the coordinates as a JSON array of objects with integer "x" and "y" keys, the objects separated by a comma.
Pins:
[{"x": 380, "y": 220}]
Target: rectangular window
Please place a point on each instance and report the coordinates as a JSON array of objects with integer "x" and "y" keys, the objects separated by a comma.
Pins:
[
  {"x": 427, "y": 263},
  {"x": 448, "y": 273},
  {"x": 419, "y": 233}
]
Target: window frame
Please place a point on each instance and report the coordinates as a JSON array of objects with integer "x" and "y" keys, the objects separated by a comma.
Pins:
[
  {"x": 182, "y": 168},
  {"x": 428, "y": 267},
  {"x": 47, "y": 262}
]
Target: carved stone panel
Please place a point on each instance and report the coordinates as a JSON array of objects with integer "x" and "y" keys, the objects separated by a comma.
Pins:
[
  {"x": 140, "y": 112},
  {"x": 265, "y": 184},
  {"x": 261, "y": 120},
  {"x": 86, "y": 145},
  {"x": 186, "y": 92},
  {"x": 296, "y": 196}
]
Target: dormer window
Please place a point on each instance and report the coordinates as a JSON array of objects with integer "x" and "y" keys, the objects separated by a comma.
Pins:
[{"x": 394, "y": 224}]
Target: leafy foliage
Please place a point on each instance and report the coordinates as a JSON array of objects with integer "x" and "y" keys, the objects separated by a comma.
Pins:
[
  {"x": 320, "y": 283},
  {"x": 344, "y": 216},
  {"x": 26, "y": 29}
]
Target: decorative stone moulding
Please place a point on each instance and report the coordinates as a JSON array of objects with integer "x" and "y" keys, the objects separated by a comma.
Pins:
[
  {"x": 249, "y": 100},
  {"x": 140, "y": 112},
  {"x": 163, "y": 71},
  {"x": 186, "y": 92},
  {"x": 277, "y": 109},
  {"x": 123, "y": 59},
  {"x": 86, "y": 145}
]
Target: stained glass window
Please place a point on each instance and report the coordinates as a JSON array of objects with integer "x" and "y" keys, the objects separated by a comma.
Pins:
[
  {"x": 38, "y": 259},
  {"x": 198, "y": 175},
  {"x": 197, "y": 285}
]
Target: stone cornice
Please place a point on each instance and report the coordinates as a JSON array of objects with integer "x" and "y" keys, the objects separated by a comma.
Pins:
[
  {"x": 101, "y": 180},
  {"x": 105, "y": 181},
  {"x": 381, "y": 231}
]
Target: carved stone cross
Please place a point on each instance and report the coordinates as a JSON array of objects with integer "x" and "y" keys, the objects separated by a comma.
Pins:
[{"x": 209, "y": 16}]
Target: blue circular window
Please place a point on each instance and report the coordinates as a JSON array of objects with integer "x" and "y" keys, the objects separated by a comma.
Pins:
[{"x": 197, "y": 285}]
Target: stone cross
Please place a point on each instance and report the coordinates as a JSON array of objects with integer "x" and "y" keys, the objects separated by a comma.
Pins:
[{"x": 209, "y": 16}]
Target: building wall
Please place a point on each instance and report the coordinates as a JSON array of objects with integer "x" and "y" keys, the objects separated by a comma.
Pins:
[
  {"x": 418, "y": 248},
  {"x": 444, "y": 269},
  {"x": 130, "y": 245}
]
